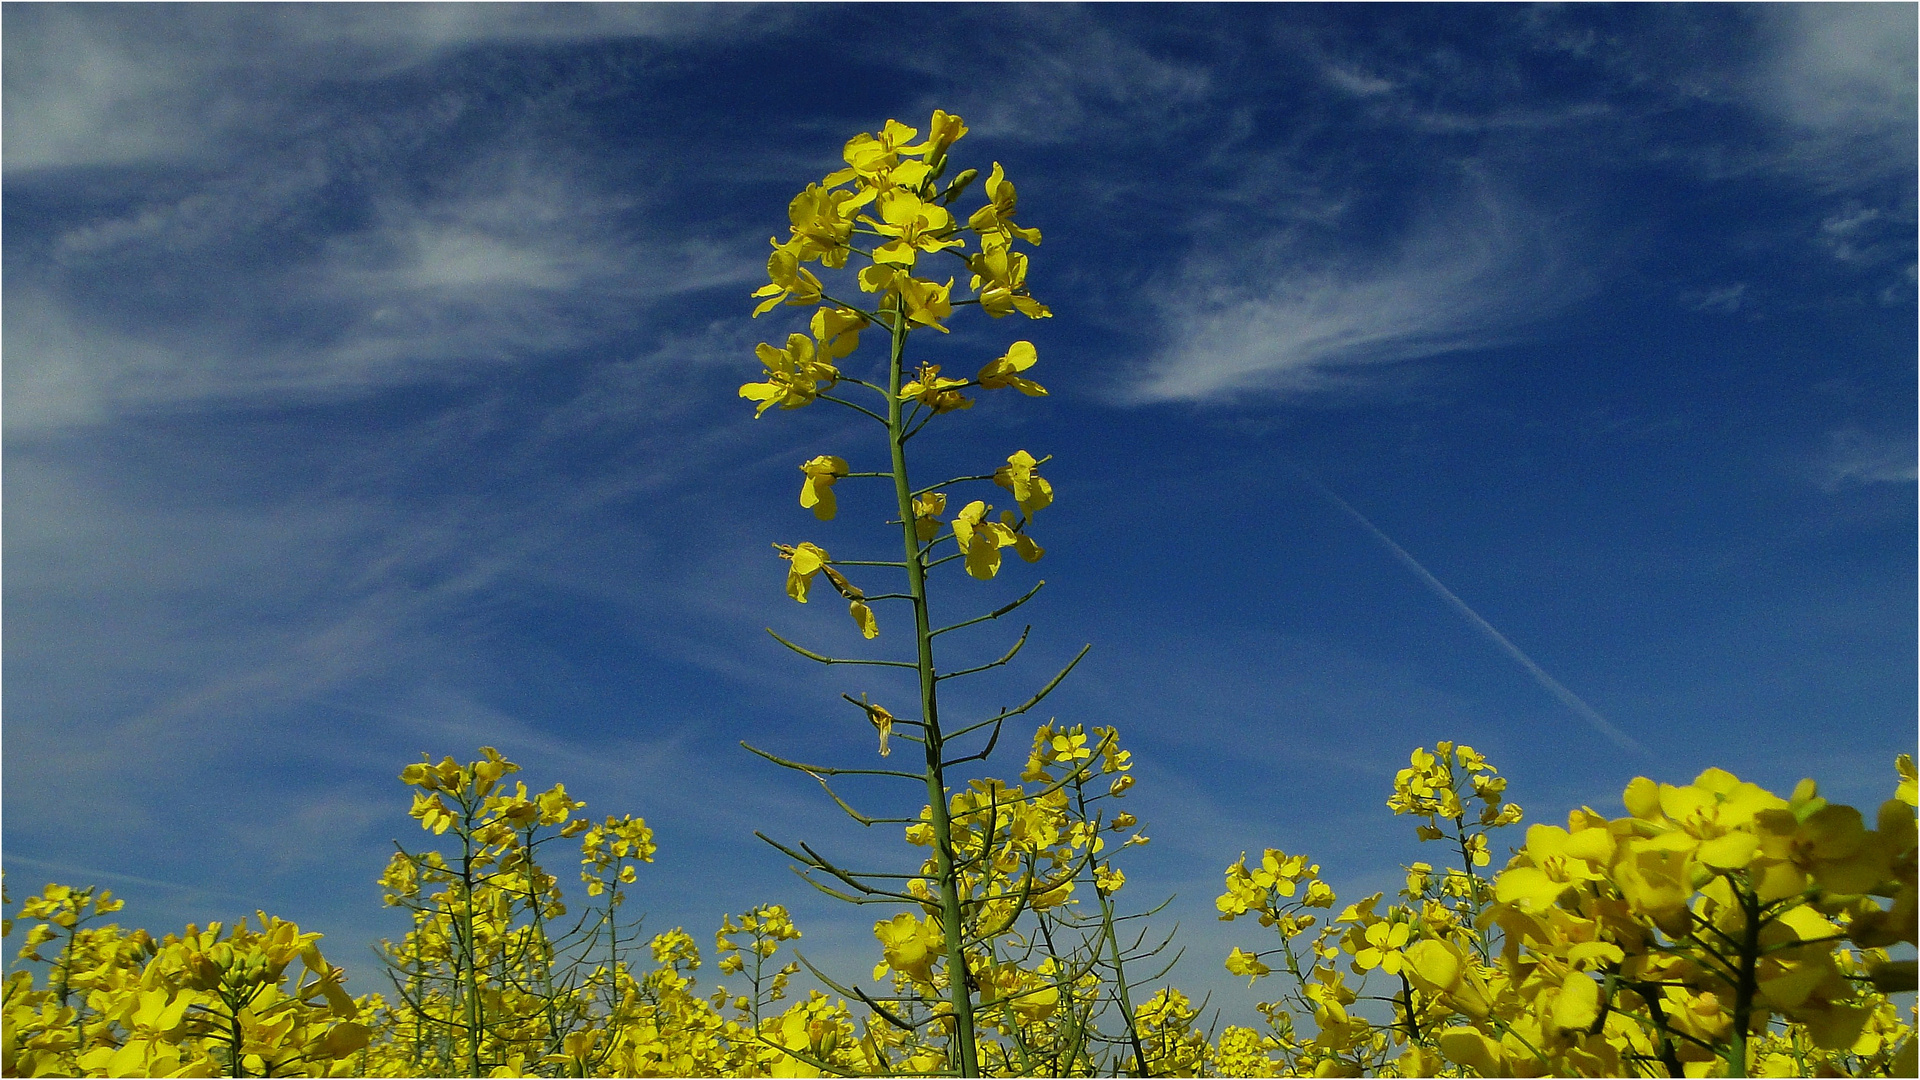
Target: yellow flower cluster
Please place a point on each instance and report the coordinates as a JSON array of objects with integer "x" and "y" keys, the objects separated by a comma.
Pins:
[
  {"x": 1714, "y": 929},
  {"x": 889, "y": 209},
  {"x": 206, "y": 1002},
  {"x": 1717, "y": 929}
]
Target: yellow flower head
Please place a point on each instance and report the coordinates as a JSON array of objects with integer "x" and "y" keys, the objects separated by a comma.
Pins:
[
  {"x": 837, "y": 330},
  {"x": 821, "y": 222},
  {"x": 882, "y": 722},
  {"x": 804, "y": 561},
  {"x": 997, "y": 215},
  {"x": 1246, "y": 963},
  {"x": 944, "y": 130},
  {"x": 914, "y": 226},
  {"x": 936, "y": 392},
  {"x": 911, "y": 946},
  {"x": 791, "y": 283},
  {"x": 1000, "y": 279},
  {"x": 927, "y": 303},
  {"x": 794, "y": 375},
  {"x": 926, "y": 514},
  {"x": 1005, "y": 371},
  {"x": 1030, "y": 490},
  {"x": 869, "y": 157},
  {"x": 816, "y": 493}
]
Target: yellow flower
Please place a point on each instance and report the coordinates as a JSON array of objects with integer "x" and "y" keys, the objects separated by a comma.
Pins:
[
  {"x": 816, "y": 493},
  {"x": 926, "y": 302},
  {"x": 433, "y": 814},
  {"x": 926, "y": 514},
  {"x": 858, "y": 609},
  {"x": 911, "y": 946},
  {"x": 863, "y": 618},
  {"x": 1577, "y": 1005},
  {"x": 882, "y": 722},
  {"x": 794, "y": 375},
  {"x": 1656, "y": 884},
  {"x": 997, "y": 215},
  {"x": 870, "y": 157},
  {"x": 1246, "y": 963},
  {"x": 1832, "y": 848},
  {"x": 915, "y": 226},
  {"x": 943, "y": 131},
  {"x": 1030, "y": 490},
  {"x": 1005, "y": 371},
  {"x": 1558, "y": 860},
  {"x": 791, "y": 283},
  {"x": 822, "y": 222},
  {"x": 1000, "y": 279},
  {"x": 935, "y": 392},
  {"x": 1468, "y": 1047},
  {"x": 837, "y": 330},
  {"x": 1382, "y": 948},
  {"x": 804, "y": 561}
]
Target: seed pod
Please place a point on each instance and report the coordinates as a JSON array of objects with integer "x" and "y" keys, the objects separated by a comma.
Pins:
[{"x": 958, "y": 186}]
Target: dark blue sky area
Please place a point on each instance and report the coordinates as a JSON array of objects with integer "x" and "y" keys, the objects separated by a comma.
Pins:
[{"x": 370, "y": 389}]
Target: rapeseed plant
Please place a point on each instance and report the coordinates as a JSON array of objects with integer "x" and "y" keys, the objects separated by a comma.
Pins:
[{"x": 1717, "y": 929}]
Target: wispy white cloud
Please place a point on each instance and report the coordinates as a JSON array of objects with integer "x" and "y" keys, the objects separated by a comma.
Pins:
[
  {"x": 1843, "y": 76},
  {"x": 1356, "y": 82},
  {"x": 511, "y": 259},
  {"x": 1726, "y": 298},
  {"x": 1277, "y": 316},
  {"x": 99, "y": 86},
  {"x": 1078, "y": 79},
  {"x": 1854, "y": 456}
]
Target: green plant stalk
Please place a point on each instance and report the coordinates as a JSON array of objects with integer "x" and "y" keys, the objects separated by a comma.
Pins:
[
  {"x": 958, "y": 991},
  {"x": 542, "y": 957},
  {"x": 469, "y": 958},
  {"x": 1747, "y": 987},
  {"x": 1120, "y": 983}
]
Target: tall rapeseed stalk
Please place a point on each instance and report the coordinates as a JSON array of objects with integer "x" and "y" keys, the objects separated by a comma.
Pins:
[{"x": 995, "y": 853}]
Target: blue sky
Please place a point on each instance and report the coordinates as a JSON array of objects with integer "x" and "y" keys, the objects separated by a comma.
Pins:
[{"x": 370, "y": 389}]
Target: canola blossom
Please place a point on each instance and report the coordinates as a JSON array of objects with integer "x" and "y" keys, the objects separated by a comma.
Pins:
[
  {"x": 1573, "y": 959},
  {"x": 1713, "y": 929}
]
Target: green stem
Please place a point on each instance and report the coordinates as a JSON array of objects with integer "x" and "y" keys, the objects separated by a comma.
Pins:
[
  {"x": 958, "y": 991},
  {"x": 1747, "y": 986},
  {"x": 1120, "y": 985},
  {"x": 237, "y": 1065},
  {"x": 469, "y": 958}
]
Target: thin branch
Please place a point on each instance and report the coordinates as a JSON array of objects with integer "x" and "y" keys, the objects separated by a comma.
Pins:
[
  {"x": 851, "y": 405},
  {"x": 851, "y": 812},
  {"x": 994, "y": 614},
  {"x": 1031, "y": 702},
  {"x": 827, "y": 770},
  {"x": 924, "y": 421},
  {"x": 992, "y": 741},
  {"x": 836, "y": 893},
  {"x": 811, "y": 655},
  {"x": 950, "y": 483},
  {"x": 871, "y": 316},
  {"x": 983, "y": 667},
  {"x": 885, "y": 1013},
  {"x": 862, "y": 706},
  {"x": 820, "y": 864}
]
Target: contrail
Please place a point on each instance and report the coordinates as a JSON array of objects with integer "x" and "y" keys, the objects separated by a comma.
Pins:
[
  {"x": 81, "y": 874},
  {"x": 1567, "y": 697}
]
